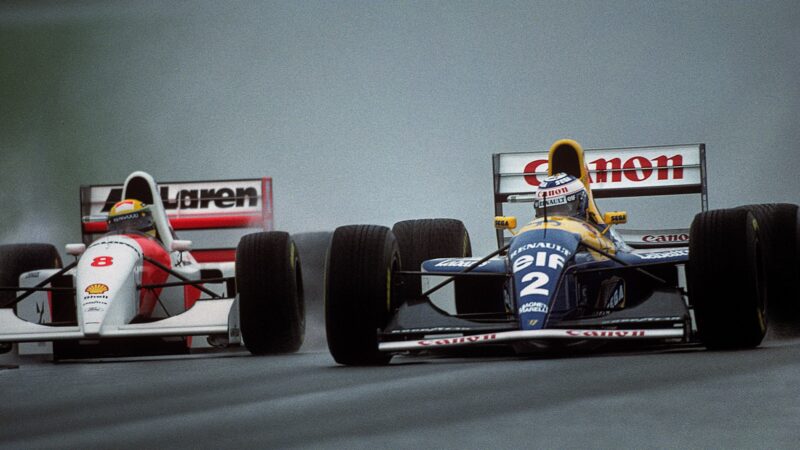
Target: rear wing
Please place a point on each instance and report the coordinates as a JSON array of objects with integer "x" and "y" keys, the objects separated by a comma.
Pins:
[
  {"x": 613, "y": 172},
  {"x": 192, "y": 205}
]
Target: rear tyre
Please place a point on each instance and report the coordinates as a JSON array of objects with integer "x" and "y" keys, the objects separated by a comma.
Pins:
[
  {"x": 727, "y": 279},
  {"x": 779, "y": 224},
  {"x": 358, "y": 292},
  {"x": 269, "y": 282},
  {"x": 423, "y": 239}
]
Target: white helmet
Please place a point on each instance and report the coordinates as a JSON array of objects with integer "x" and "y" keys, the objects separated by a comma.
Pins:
[{"x": 561, "y": 195}]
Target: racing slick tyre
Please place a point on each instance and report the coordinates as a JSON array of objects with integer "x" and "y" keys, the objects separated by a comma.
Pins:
[
  {"x": 726, "y": 279},
  {"x": 423, "y": 239},
  {"x": 16, "y": 259},
  {"x": 780, "y": 230},
  {"x": 358, "y": 292},
  {"x": 269, "y": 282}
]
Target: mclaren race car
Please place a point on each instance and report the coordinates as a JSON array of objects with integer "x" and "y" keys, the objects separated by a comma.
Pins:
[
  {"x": 568, "y": 278},
  {"x": 135, "y": 288}
]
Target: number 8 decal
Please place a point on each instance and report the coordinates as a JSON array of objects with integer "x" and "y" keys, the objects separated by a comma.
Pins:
[{"x": 102, "y": 261}]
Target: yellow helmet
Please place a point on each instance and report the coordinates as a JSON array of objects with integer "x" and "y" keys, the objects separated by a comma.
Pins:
[{"x": 131, "y": 215}]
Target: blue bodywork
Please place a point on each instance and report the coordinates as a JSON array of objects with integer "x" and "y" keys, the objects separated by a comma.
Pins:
[
  {"x": 541, "y": 265},
  {"x": 538, "y": 259}
]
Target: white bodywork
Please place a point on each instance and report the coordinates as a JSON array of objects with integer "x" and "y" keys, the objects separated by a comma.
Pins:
[
  {"x": 108, "y": 293},
  {"x": 108, "y": 313}
]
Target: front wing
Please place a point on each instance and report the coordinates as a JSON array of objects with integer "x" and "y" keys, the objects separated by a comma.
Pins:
[
  {"x": 662, "y": 314},
  {"x": 530, "y": 335},
  {"x": 206, "y": 317}
]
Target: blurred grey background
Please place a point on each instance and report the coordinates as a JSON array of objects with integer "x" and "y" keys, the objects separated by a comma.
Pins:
[{"x": 377, "y": 111}]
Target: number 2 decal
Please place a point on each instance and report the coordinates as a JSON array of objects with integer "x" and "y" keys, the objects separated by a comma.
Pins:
[
  {"x": 538, "y": 279},
  {"x": 102, "y": 261}
]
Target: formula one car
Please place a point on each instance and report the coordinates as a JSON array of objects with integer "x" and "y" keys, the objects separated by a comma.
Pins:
[
  {"x": 567, "y": 278},
  {"x": 135, "y": 288}
]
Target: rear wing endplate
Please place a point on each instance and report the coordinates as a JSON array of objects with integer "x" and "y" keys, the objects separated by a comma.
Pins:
[
  {"x": 193, "y": 205},
  {"x": 613, "y": 172}
]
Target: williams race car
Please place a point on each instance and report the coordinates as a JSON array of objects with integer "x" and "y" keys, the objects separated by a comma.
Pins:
[
  {"x": 135, "y": 288},
  {"x": 567, "y": 278}
]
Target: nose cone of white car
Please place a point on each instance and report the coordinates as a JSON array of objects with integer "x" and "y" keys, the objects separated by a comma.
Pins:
[{"x": 105, "y": 279}]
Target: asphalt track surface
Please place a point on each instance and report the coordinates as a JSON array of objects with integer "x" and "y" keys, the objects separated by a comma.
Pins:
[
  {"x": 681, "y": 398},
  {"x": 662, "y": 398}
]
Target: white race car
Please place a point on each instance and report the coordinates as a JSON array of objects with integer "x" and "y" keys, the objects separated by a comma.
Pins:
[{"x": 129, "y": 292}]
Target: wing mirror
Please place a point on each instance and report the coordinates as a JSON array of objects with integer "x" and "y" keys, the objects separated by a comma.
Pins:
[
  {"x": 180, "y": 246},
  {"x": 615, "y": 217},
  {"x": 505, "y": 222},
  {"x": 75, "y": 249}
]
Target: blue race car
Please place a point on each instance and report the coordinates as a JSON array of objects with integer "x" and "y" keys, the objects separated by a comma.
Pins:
[{"x": 567, "y": 278}]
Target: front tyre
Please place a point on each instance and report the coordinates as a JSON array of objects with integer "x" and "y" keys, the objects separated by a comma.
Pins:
[
  {"x": 16, "y": 259},
  {"x": 780, "y": 230},
  {"x": 269, "y": 282},
  {"x": 727, "y": 279},
  {"x": 358, "y": 292},
  {"x": 423, "y": 239}
]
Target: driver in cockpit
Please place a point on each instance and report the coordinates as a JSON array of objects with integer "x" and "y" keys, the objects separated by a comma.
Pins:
[
  {"x": 562, "y": 195},
  {"x": 131, "y": 215}
]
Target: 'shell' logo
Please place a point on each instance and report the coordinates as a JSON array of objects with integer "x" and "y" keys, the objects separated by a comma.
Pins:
[
  {"x": 611, "y": 170},
  {"x": 196, "y": 198},
  {"x": 96, "y": 289}
]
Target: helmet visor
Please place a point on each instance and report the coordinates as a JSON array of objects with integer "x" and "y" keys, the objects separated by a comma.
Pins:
[
  {"x": 567, "y": 205},
  {"x": 135, "y": 221}
]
